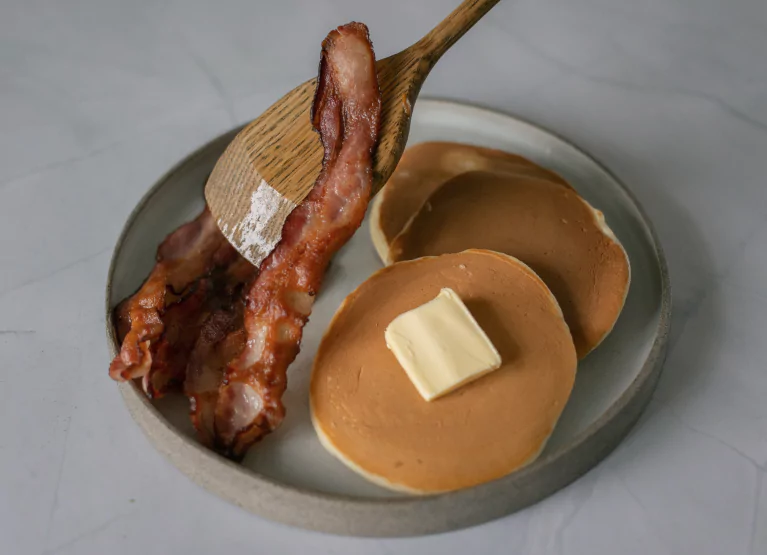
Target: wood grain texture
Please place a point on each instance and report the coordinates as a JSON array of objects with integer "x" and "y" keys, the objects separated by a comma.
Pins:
[{"x": 281, "y": 149}]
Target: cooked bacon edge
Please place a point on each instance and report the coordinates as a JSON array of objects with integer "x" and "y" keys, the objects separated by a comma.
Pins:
[
  {"x": 159, "y": 324},
  {"x": 346, "y": 113}
]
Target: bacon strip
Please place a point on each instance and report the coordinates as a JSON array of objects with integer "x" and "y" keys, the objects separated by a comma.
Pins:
[
  {"x": 159, "y": 324},
  {"x": 346, "y": 112},
  {"x": 181, "y": 323},
  {"x": 220, "y": 340}
]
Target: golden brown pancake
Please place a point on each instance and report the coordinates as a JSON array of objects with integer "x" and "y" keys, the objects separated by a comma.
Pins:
[
  {"x": 548, "y": 227},
  {"x": 369, "y": 414},
  {"x": 422, "y": 169}
]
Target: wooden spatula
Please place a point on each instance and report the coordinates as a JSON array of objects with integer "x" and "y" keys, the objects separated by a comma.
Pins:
[{"x": 272, "y": 164}]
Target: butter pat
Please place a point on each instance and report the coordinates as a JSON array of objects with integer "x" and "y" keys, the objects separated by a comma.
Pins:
[{"x": 440, "y": 345}]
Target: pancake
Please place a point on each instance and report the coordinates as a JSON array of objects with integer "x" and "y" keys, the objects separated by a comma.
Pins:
[
  {"x": 422, "y": 169},
  {"x": 547, "y": 226},
  {"x": 368, "y": 413}
]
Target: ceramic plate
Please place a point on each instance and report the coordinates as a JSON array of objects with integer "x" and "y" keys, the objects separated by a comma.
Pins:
[{"x": 289, "y": 477}]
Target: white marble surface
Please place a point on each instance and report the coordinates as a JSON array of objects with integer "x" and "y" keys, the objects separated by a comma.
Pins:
[{"x": 99, "y": 97}]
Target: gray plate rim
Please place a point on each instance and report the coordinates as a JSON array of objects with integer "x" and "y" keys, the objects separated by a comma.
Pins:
[{"x": 407, "y": 516}]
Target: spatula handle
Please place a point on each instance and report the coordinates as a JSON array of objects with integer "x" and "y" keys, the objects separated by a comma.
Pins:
[{"x": 452, "y": 28}]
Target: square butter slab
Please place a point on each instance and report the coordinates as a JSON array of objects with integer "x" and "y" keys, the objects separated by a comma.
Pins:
[{"x": 440, "y": 345}]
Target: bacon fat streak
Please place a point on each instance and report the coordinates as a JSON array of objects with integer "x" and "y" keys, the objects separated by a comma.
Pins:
[
  {"x": 346, "y": 113},
  {"x": 159, "y": 324}
]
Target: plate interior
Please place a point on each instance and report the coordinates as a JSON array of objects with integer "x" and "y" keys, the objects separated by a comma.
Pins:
[{"x": 293, "y": 455}]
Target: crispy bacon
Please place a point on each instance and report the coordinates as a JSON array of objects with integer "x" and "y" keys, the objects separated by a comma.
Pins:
[
  {"x": 221, "y": 339},
  {"x": 346, "y": 113},
  {"x": 181, "y": 322},
  {"x": 159, "y": 324}
]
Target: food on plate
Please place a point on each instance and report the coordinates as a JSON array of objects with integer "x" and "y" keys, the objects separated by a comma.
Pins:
[
  {"x": 440, "y": 345},
  {"x": 448, "y": 368},
  {"x": 346, "y": 113},
  {"x": 423, "y": 168},
  {"x": 158, "y": 325},
  {"x": 542, "y": 222},
  {"x": 197, "y": 283},
  {"x": 245, "y": 326},
  {"x": 369, "y": 414},
  {"x": 220, "y": 338}
]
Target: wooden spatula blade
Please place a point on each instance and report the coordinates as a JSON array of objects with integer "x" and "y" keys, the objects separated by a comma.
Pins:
[
  {"x": 278, "y": 147},
  {"x": 272, "y": 164}
]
